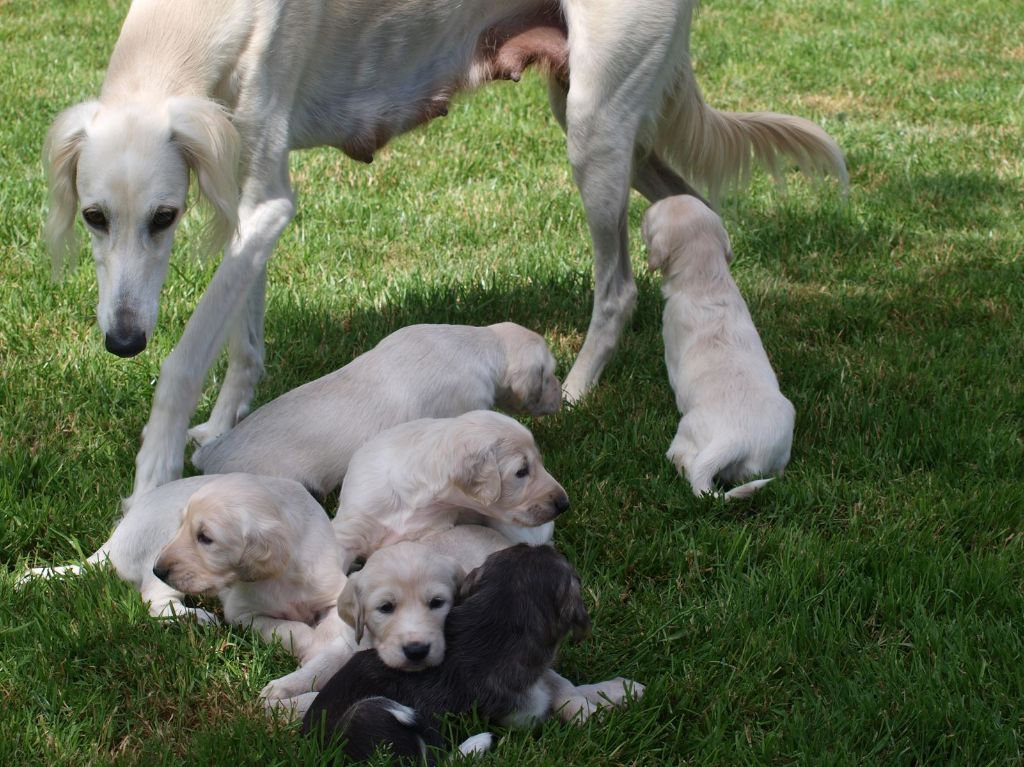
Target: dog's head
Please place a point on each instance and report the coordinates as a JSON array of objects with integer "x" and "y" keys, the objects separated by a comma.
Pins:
[
  {"x": 534, "y": 587},
  {"x": 682, "y": 232},
  {"x": 231, "y": 530},
  {"x": 401, "y": 598},
  {"x": 530, "y": 385},
  {"x": 497, "y": 469},
  {"x": 126, "y": 170}
]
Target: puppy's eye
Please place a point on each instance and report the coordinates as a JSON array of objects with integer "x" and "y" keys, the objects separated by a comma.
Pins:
[
  {"x": 162, "y": 219},
  {"x": 436, "y": 603},
  {"x": 523, "y": 472},
  {"x": 204, "y": 539},
  {"x": 95, "y": 218},
  {"x": 387, "y": 608}
]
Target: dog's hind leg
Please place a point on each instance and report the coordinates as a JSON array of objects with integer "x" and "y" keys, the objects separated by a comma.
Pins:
[
  {"x": 615, "y": 77},
  {"x": 245, "y": 366}
]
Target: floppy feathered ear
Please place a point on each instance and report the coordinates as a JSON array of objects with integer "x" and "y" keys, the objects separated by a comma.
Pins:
[
  {"x": 350, "y": 607},
  {"x": 265, "y": 554},
  {"x": 478, "y": 475},
  {"x": 210, "y": 145},
  {"x": 60, "y": 156},
  {"x": 527, "y": 383}
]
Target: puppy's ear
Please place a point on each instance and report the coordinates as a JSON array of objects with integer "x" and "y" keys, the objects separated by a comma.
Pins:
[
  {"x": 265, "y": 554},
  {"x": 350, "y": 606},
  {"x": 479, "y": 477},
  {"x": 470, "y": 582},
  {"x": 573, "y": 613},
  {"x": 458, "y": 575}
]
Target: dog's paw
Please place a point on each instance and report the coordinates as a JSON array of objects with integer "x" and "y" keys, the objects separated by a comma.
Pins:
[
  {"x": 614, "y": 692},
  {"x": 577, "y": 710},
  {"x": 289, "y": 709},
  {"x": 204, "y": 432},
  {"x": 285, "y": 687},
  {"x": 46, "y": 573}
]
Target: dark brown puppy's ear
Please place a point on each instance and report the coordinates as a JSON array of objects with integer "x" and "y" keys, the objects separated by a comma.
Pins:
[{"x": 350, "y": 607}]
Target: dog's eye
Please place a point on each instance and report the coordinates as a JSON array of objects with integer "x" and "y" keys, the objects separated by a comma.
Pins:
[
  {"x": 95, "y": 218},
  {"x": 523, "y": 471},
  {"x": 387, "y": 608},
  {"x": 162, "y": 219},
  {"x": 204, "y": 539},
  {"x": 436, "y": 603}
]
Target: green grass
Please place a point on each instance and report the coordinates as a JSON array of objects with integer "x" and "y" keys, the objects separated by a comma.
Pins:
[{"x": 865, "y": 609}]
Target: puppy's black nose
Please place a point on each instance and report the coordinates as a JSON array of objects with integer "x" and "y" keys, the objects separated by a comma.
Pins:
[
  {"x": 126, "y": 344},
  {"x": 161, "y": 572},
  {"x": 416, "y": 651},
  {"x": 561, "y": 503}
]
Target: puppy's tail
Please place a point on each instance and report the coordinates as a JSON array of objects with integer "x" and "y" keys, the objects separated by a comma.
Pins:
[
  {"x": 100, "y": 556},
  {"x": 372, "y": 723},
  {"x": 714, "y": 148},
  {"x": 747, "y": 489}
]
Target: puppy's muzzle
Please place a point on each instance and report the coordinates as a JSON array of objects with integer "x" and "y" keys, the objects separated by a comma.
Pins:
[
  {"x": 561, "y": 504},
  {"x": 125, "y": 343},
  {"x": 161, "y": 572},
  {"x": 417, "y": 652}
]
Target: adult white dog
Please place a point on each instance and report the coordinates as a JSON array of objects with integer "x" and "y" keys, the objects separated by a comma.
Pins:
[
  {"x": 736, "y": 424},
  {"x": 310, "y": 433},
  {"x": 227, "y": 89}
]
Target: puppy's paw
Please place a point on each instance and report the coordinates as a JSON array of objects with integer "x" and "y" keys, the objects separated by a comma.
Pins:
[
  {"x": 287, "y": 686},
  {"x": 576, "y": 710},
  {"x": 614, "y": 692},
  {"x": 289, "y": 709},
  {"x": 46, "y": 573},
  {"x": 477, "y": 744}
]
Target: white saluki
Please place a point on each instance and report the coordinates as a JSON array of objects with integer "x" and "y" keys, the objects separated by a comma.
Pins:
[{"x": 227, "y": 89}]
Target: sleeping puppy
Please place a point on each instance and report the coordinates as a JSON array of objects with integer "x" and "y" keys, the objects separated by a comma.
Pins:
[
  {"x": 736, "y": 423},
  {"x": 398, "y": 602},
  {"x": 502, "y": 639},
  {"x": 416, "y": 478},
  {"x": 262, "y": 544},
  {"x": 310, "y": 433},
  {"x": 265, "y": 547}
]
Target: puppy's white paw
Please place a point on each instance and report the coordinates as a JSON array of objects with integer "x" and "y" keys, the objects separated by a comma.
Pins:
[
  {"x": 614, "y": 692},
  {"x": 46, "y": 573},
  {"x": 477, "y": 744},
  {"x": 289, "y": 709},
  {"x": 288, "y": 686},
  {"x": 577, "y": 710}
]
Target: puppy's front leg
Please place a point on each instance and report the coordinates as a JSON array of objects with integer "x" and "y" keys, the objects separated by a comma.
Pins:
[
  {"x": 566, "y": 702},
  {"x": 296, "y": 636},
  {"x": 312, "y": 676}
]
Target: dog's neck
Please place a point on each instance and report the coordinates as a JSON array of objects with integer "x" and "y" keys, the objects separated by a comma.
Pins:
[{"x": 180, "y": 48}]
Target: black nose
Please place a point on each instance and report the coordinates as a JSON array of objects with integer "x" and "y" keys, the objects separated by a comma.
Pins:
[
  {"x": 416, "y": 650},
  {"x": 561, "y": 503},
  {"x": 161, "y": 572},
  {"x": 126, "y": 345}
]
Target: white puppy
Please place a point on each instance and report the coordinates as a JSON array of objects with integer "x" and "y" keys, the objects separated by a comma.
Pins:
[
  {"x": 265, "y": 547},
  {"x": 736, "y": 423},
  {"x": 417, "y": 477},
  {"x": 423, "y": 371},
  {"x": 262, "y": 544}
]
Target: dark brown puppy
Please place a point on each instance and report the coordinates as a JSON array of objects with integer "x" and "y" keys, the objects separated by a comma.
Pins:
[{"x": 517, "y": 608}]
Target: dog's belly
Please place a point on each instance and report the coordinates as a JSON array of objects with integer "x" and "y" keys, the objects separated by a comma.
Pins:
[{"x": 381, "y": 69}]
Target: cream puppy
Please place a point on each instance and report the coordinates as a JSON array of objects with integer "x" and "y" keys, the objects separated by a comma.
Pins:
[
  {"x": 310, "y": 433},
  {"x": 416, "y": 478},
  {"x": 398, "y": 603},
  {"x": 266, "y": 548},
  {"x": 736, "y": 424}
]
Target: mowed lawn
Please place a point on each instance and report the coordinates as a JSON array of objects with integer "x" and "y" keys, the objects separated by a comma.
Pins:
[{"x": 867, "y": 608}]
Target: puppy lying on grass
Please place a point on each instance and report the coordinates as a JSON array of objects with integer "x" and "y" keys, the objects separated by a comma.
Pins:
[
  {"x": 310, "y": 433},
  {"x": 398, "y": 603},
  {"x": 261, "y": 544},
  {"x": 419, "y": 477},
  {"x": 736, "y": 424},
  {"x": 501, "y": 642}
]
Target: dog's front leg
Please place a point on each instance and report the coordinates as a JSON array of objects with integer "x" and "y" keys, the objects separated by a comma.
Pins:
[
  {"x": 313, "y": 675},
  {"x": 161, "y": 457},
  {"x": 245, "y": 366}
]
